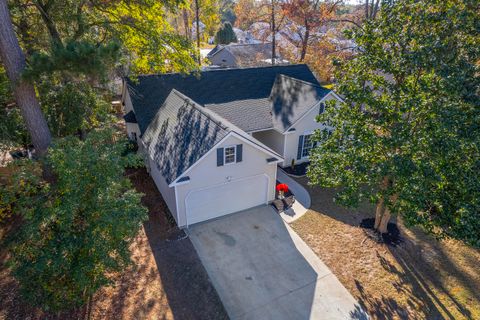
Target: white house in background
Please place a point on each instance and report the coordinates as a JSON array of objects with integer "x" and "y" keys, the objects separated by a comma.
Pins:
[
  {"x": 212, "y": 143},
  {"x": 245, "y": 36},
  {"x": 236, "y": 55}
]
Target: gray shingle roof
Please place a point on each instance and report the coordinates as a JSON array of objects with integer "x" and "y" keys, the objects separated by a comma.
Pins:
[
  {"x": 291, "y": 99},
  {"x": 217, "y": 48},
  {"x": 180, "y": 133},
  {"x": 249, "y": 52},
  {"x": 249, "y": 115},
  {"x": 209, "y": 87}
]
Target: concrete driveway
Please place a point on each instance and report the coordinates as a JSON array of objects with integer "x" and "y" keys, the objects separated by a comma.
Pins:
[{"x": 261, "y": 269}]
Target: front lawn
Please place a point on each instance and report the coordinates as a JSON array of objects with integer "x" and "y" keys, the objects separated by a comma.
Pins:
[{"x": 419, "y": 279}]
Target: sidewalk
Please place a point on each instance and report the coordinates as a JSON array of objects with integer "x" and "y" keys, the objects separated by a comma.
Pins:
[{"x": 302, "y": 197}]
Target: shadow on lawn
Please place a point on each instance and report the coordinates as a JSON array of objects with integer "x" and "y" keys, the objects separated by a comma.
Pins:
[
  {"x": 188, "y": 289},
  {"x": 322, "y": 201},
  {"x": 429, "y": 278}
]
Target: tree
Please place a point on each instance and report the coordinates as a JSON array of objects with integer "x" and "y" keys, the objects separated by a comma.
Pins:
[
  {"x": 307, "y": 16},
  {"x": 266, "y": 12},
  {"x": 407, "y": 137},
  {"x": 225, "y": 35},
  {"x": 73, "y": 108},
  {"x": 371, "y": 9},
  {"x": 247, "y": 13},
  {"x": 12, "y": 128},
  {"x": 77, "y": 231},
  {"x": 227, "y": 11},
  {"x": 80, "y": 41},
  {"x": 13, "y": 60}
]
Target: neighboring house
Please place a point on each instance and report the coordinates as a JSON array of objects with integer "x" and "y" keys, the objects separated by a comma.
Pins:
[
  {"x": 212, "y": 141},
  {"x": 245, "y": 36},
  {"x": 241, "y": 55}
]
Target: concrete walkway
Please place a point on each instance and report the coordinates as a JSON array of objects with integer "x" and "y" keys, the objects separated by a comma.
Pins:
[
  {"x": 302, "y": 198},
  {"x": 263, "y": 270}
]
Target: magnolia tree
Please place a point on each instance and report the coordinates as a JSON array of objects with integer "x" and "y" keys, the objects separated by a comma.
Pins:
[{"x": 407, "y": 137}]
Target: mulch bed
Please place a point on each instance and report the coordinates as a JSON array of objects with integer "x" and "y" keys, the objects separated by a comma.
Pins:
[
  {"x": 187, "y": 285},
  {"x": 392, "y": 237},
  {"x": 298, "y": 170}
]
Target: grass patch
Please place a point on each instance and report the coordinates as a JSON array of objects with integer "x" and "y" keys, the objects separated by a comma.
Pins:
[{"x": 421, "y": 278}]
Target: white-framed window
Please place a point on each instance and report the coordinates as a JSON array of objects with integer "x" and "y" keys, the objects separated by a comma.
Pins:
[
  {"x": 308, "y": 144},
  {"x": 229, "y": 154}
]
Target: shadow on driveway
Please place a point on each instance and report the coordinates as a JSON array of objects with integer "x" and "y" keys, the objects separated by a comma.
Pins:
[{"x": 263, "y": 270}]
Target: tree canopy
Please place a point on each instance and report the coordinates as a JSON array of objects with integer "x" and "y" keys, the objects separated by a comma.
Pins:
[
  {"x": 225, "y": 34},
  {"x": 77, "y": 230},
  {"x": 408, "y": 135},
  {"x": 69, "y": 33}
]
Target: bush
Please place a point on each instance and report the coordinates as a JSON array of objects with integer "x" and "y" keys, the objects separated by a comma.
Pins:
[
  {"x": 77, "y": 230},
  {"x": 225, "y": 35},
  {"x": 72, "y": 108}
]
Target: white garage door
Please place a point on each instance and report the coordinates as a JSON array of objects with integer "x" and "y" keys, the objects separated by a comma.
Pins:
[{"x": 227, "y": 198}]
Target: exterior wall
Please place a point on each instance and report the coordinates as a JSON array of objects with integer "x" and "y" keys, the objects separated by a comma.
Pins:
[
  {"x": 223, "y": 58},
  {"x": 305, "y": 125},
  {"x": 206, "y": 173},
  {"x": 271, "y": 138},
  {"x": 168, "y": 194},
  {"x": 131, "y": 127}
]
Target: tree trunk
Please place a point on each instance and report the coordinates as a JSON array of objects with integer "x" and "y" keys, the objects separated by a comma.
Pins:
[
  {"x": 52, "y": 29},
  {"x": 379, "y": 213},
  {"x": 305, "y": 42},
  {"x": 382, "y": 228},
  {"x": 375, "y": 10},
  {"x": 13, "y": 60},
  {"x": 273, "y": 33},
  {"x": 383, "y": 214},
  {"x": 186, "y": 24},
  {"x": 197, "y": 23},
  {"x": 366, "y": 10}
]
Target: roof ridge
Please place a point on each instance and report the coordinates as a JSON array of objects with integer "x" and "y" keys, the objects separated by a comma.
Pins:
[
  {"x": 209, "y": 114},
  {"x": 220, "y": 70},
  {"x": 303, "y": 81},
  {"x": 246, "y": 44}
]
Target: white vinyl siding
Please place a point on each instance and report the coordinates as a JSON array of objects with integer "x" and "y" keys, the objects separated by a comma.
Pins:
[
  {"x": 223, "y": 183},
  {"x": 304, "y": 126}
]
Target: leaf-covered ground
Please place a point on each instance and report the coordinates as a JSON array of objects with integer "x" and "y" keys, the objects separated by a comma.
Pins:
[
  {"x": 419, "y": 279},
  {"x": 167, "y": 280}
]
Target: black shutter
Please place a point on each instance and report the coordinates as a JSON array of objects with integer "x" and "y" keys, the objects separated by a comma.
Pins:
[
  {"x": 239, "y": 152},
  {"x": 300, "y": 147},
  {"x": 322, "y": 108},
  {"x": 219, "y": 157}
]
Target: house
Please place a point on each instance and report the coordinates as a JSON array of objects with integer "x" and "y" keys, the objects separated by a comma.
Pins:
[
  {"x": 245, "y": 36},
  {"x": 241, "y": 55},
  {"x": 212, "y": 142}
]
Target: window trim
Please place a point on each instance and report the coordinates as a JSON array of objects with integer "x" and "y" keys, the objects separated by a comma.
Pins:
[
  {"x": 234, "y": 147},
  {"x": 303, "y": 145}
]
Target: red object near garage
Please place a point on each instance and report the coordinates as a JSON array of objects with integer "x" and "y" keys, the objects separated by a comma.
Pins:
[{"x": 282, "y": 187}]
